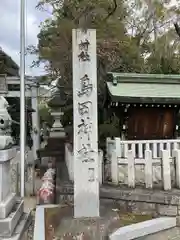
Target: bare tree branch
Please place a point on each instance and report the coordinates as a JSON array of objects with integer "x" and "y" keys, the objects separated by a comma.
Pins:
[
  {"x": 112, "y": 10},
  {"x": 177, "y": 29}
]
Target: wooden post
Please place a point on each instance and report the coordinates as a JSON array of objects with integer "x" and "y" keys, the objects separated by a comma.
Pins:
[{"x": 148, "y": 169}]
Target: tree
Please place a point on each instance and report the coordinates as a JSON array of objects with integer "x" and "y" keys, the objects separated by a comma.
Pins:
[
  {"x": 45, "y": 115},
  {"x": 7, "y": 65},
  {"x": 113, "y": 42},
  {"x": 154, "y": 32},
  {"x": 132, "y": 36},
  {"x": 126, "y": 32},
  {"x": 116, "y": 50}
]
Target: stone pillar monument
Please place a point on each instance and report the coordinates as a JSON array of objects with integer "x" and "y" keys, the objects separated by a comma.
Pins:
[
  {"x": 12, "y": 217},
  {"x": 86, "y": 166}
]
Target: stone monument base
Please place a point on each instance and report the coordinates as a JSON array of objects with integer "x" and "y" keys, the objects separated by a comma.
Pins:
[
  {"x": 8, "y": 224},
  {"x": 6, "y": 205}
]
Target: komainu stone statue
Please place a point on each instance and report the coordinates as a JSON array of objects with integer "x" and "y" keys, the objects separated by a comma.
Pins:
[{"x": 6, "y": 140}]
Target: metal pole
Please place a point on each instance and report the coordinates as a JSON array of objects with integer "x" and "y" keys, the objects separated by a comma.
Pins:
[{"x": 22, "y": 95}]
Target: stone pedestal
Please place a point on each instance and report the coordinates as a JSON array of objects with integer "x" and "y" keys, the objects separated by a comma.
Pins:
[
  {"x": 7, "y": 199},
  {"x": 12, "y": 216},
  {"x": 57, "y": 126}
]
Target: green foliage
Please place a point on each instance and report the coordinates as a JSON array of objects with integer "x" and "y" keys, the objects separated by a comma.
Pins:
[
  {"x": 110, "y": 128},
  {"x": 7, "y": 65},
  {"x": 45, "y": 116}
]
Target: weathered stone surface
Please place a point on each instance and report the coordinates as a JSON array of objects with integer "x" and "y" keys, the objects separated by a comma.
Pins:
[
  {"x": 5, "y": 157},
  {"x": 178, "y": 221},
  {"x": 165, "y": 210},
  {"x": 132, "y": 200},
  {"x": 173, "y": 234},
  {"x": 178, "y": 210},
  {"x": 66, "y": 198},
  {"x": 89, "y": 228},
  {"x": 141, "y": 195},
  {"x": 140, "y": 175},
  {"x": 8, "y": 224},
  {"x": 142, "y": 207},
  {"x": 123, "y": 205},
  {"x": 19, "y": 232},
  {"x": 61, "y": 222},
  {"x": 7, "y": 205}
]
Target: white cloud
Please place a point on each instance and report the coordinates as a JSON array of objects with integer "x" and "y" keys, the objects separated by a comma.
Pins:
[{"x": 10, "y": 30}]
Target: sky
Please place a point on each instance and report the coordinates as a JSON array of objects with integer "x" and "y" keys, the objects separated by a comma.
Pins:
[{"x": 10, "y": 30}]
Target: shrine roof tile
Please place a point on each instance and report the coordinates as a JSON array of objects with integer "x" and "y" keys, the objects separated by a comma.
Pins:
[{"x": 144, "y": 87}]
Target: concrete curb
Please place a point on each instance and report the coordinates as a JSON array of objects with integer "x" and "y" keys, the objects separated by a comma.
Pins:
[
  {"x": 39, "y": 226},
  {"x": 144, "y": 228}
]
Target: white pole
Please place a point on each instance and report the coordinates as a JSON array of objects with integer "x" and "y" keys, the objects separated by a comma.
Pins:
[
  {"x": 35, "y": 121},
  {"x": 22, "y": 94},
  {"x": 35, "y": 126}
]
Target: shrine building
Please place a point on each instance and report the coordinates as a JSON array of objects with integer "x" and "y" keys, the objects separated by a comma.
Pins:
[{"x": 147, "y": 105}]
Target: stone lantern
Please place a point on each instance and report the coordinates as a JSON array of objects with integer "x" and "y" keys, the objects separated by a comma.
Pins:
[
  {"x": 54, "y": 150},
  {"x": 56, "y": 103}
]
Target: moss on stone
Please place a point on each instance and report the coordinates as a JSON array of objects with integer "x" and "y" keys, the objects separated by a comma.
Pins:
[{"x": 130, "y": 218}]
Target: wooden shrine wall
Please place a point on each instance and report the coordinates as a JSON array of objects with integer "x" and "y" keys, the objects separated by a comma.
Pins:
[{"x": 151, "y": 123}]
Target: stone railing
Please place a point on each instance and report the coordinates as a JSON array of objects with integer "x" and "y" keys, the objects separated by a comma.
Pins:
[
  {"x": 148, "y": 163},
  {"x": 138, "y": 147},
  {"x": 69, "y": 158}
]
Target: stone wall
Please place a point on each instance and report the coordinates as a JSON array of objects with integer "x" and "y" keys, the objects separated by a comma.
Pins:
[
  {"x": 155, "y": 202},
  {"x": 139, "y": 201}
]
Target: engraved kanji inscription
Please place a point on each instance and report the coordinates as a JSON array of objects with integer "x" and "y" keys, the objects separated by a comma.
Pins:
[
  {"x": 85, "y": 128},
  {"x": 86, "y": 86},
  {"x": 88, "y": 160},
  {"x": 84, "y": 56},
  {"x": 84, "y": 45},
  {"x": 84, "y": 108},
  {"x": 86, "y": 149},
  {"x": 91, "y": 175}
]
